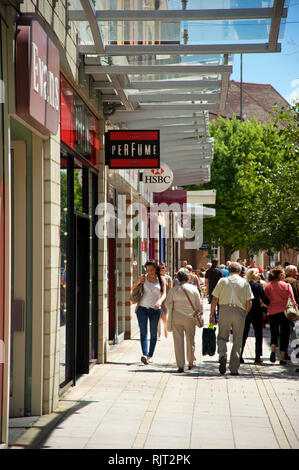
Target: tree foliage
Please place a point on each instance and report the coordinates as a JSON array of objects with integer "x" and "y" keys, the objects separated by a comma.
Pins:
[{"x": 255, "y": 173}]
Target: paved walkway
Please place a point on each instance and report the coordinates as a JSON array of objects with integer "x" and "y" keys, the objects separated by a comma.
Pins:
[{"x": 126, "y": 405}]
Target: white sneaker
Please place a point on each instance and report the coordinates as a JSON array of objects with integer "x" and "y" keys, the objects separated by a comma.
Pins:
[
  {"x": 144, "y": 360},
  {"x": 149, "y": 360}
]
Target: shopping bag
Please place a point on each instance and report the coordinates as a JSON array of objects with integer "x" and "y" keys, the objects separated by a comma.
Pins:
[{"x": 209, "y": 340}]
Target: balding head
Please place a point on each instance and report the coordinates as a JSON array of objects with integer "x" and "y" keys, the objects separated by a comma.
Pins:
[
  {"x": 234, "y": 268},
  {"x": 291, "y": 271}
]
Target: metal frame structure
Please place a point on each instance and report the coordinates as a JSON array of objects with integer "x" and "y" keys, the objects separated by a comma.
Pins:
[{"x": 143, "y": 84}]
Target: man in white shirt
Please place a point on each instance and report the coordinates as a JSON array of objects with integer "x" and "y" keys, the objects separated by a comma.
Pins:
[{"x": 234, "y": 294}]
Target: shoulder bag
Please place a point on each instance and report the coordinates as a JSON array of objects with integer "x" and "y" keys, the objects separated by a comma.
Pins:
[
  {"x": 197, "y": 315},
  {"x": 136, "y": 294},
  {"x": 291, "y": 310}
]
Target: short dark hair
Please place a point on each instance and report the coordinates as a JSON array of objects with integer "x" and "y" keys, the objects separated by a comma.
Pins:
[{"x": 214, "y": 261}]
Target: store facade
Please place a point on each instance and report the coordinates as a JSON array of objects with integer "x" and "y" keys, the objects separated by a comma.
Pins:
[{"x": 80, "y": 145}]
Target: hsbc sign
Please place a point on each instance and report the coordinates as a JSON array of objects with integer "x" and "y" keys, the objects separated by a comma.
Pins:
[{"x": 158, "y": 180}]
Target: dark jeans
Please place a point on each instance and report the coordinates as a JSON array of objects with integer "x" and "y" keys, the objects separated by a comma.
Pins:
[
  {"x": 280, "y": 326},
  {"x": 143, "y": 315},
  {"x": 256, "y": 319}
]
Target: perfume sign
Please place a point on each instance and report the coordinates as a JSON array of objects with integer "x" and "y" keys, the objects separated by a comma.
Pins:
[
  {"x": 132, "y": 149},
  {"x": 37, "y": 77}
]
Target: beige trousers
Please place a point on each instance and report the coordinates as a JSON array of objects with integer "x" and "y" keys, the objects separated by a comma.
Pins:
[
  {"x": 183, "y": 327},
  {"x": 231, "y": 318}
]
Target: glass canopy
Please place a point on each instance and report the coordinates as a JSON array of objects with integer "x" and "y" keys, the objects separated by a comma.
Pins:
[{"x": 163, "y": 64}]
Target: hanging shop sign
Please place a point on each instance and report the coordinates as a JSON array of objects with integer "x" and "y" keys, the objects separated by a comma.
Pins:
[
  {"x": 78, "y": 126},
  {"x": 177, "y": 196},
  {"x": 132, "y": 149},
  {"x": 37, "y": 77},
  {"x": 158, "y": 180}
]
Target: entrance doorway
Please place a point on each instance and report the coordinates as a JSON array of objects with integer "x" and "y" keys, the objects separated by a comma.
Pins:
[
  {"x": 82, "y": 294},
  {"x": 111, "y": 289}
]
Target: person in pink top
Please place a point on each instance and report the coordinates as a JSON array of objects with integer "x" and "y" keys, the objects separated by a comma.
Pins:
[{"x": 278, "y": 292}]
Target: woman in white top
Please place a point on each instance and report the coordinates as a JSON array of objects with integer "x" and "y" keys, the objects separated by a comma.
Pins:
[
  {"x": 149, "y": 308},
  {"x": 180, "y": 319}
]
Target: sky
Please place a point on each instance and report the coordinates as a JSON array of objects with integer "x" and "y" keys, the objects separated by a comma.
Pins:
[{"x": 280, "y": 69}]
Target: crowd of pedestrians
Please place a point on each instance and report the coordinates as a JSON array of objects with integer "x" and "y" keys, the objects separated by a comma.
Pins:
[{"x": 239, "y": 296}]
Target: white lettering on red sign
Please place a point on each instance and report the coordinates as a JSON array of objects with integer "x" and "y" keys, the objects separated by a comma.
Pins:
[{"x": 44, "y": 81}]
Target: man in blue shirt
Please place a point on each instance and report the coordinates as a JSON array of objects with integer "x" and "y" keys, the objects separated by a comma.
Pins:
[{"x": 224, "y": 270}]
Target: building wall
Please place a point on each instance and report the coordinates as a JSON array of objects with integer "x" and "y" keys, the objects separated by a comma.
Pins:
[
  {"x": 6, "y": 45},
  {"x": 64, "y": 37}
]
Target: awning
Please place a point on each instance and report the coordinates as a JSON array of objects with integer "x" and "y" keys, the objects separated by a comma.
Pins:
[{"x": 163, "y": 64}]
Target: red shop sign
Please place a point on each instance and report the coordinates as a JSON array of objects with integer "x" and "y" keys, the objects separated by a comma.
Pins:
[
  {"x": 132, "y": 149},
  {"x": 37, "y": 77},
  {"x": 78, "y": 126}
]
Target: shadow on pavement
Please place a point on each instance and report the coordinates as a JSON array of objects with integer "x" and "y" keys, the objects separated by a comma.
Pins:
[{"x": 41, "y": 430}]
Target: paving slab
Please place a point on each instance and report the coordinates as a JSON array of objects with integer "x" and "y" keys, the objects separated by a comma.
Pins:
[{"x": 125, "y": 405}]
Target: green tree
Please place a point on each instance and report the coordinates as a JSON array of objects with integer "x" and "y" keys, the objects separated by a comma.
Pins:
[
  {"x": 275, "y": 218},
  {"x": 252, "y": 166}
]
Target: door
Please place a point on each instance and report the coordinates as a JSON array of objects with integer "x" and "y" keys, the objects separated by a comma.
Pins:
[
  {"x": 82, "y": 294},
  {"x": 18, "y": 279},
  {"x": 111, "y": 288}
]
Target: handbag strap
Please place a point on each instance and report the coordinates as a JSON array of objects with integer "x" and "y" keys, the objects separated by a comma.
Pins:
[{"x": 188, "y": 299}]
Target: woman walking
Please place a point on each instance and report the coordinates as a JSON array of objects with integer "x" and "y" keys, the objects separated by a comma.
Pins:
[
  {"x": 149, "y": 308},
  {"x": 193, "y": 279},
  {"x": 278, "y": 292},
  {"x": 180, "y": 318},
  {"x": 255, "y": 315},
  {"x": 169, "y": 285}
]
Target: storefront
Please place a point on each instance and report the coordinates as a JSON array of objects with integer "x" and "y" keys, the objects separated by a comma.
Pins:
[
  {"x": 2, "y": 351},
  {"x": 31, "y": 124},
  {"x": 79, "y": 245}
]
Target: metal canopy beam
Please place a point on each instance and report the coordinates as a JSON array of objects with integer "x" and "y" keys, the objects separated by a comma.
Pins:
[
  {"x": 157, "y": 69},
  {"x": 168, "y": 84},
  {"x": 174, "y": 130},
  {"x": 176, "y": 155},
  {"x": 166, "y": 114},
  {"x": 89, "y": 10},
  {"x": 181, "y": 49},
  {"x": 150, "y": 98},
  {"x": 90, "y": 15},
  {"x": 163, "y": 124},
  {"x": 277, "y": 12},
  {"x": 182, "y": 165},
  {"x": 224, "y": 91},
  {"x": 197, "y": 178},
  {"x": 185, "y": 152},
  {"x": 179, "y": 137},
  {"x": 189, "y": 157},
  {"x": 178, "y": 107},
  {"x": 178, "y": 15}
]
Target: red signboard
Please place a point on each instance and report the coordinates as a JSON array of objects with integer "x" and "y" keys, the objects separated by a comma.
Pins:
[
  {"x": 78, "y": 126},
  {"x": 37, "y": 77},
  {"x": 133, "y": 149},
  {"x": 178, "y": 196},
  {"x": 1, "y": 291}
]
